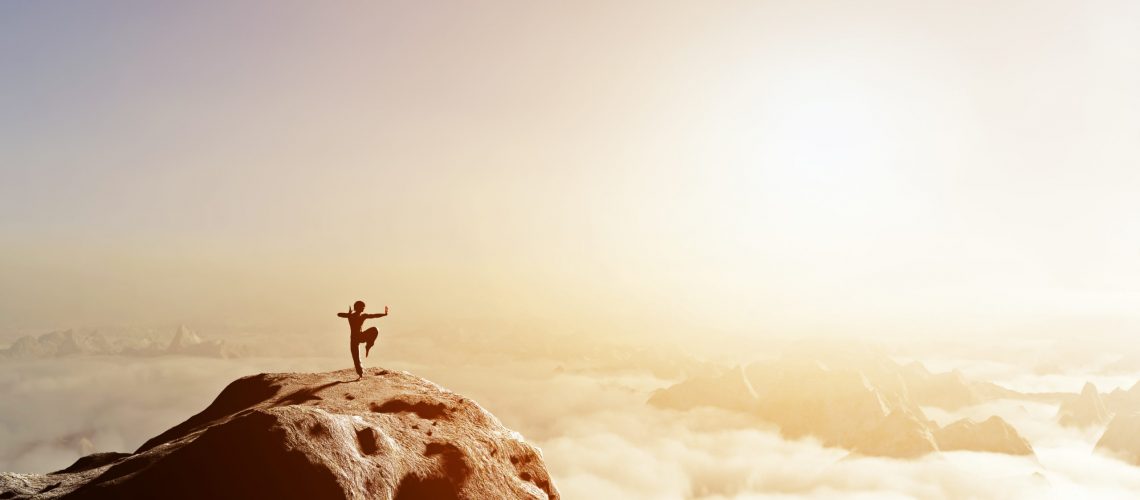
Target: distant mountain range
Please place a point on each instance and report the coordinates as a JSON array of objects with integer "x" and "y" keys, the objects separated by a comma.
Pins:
[
  {"x": 860, "y": 400},
  {"x": 184, "y": 342}
]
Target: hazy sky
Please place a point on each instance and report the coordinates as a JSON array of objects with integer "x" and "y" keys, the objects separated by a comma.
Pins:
[{"x": 649, "y": 167}]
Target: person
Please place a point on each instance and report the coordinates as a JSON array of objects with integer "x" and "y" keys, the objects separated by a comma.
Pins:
[{"x": 356, "y": 317}]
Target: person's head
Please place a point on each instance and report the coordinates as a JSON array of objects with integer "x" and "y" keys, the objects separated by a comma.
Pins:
[{"x": 358, "y": 306}]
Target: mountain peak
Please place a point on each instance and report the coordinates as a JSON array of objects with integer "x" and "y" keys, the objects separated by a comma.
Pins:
[
  {"x": 184, "y": 338},
  {"x": 388, "y": 435},
  {"x": 1084, "y": 410}
]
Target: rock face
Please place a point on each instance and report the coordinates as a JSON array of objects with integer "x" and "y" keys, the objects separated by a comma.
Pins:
[
  {"x": 1085, "y": 410},
  {"x": 857, "y": 400},
  {"x": 1121, "y": 437},
  {"x": 389, "y": 436}
]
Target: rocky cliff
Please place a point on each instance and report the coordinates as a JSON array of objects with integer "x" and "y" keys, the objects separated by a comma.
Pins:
[{"x": 390, "y": 435}]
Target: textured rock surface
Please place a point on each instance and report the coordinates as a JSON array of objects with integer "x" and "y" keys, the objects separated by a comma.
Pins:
[{"x": 390, "y": 435}]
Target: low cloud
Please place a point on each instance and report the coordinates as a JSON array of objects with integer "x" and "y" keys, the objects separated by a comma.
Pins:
[
  {"x": 57, "y": 409},
  {"x": 598, "y": 436}
]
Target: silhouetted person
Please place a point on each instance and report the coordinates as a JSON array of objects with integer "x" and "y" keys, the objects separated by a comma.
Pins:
[{"x": 356, "y": 319}]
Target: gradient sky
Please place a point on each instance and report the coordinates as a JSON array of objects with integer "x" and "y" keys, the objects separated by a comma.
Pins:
[{"x": 645, "y": 167}]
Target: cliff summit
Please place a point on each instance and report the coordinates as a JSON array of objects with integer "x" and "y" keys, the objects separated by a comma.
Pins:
[{"x": 390, "y": 435}]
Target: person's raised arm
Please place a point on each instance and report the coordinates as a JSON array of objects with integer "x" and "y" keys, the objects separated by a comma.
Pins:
[
  {"x": 385, "y": 313},
  {"x": 345, "y": 315}
]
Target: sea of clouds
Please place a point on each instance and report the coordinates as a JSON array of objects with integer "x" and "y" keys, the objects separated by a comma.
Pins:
[{"x": 599, "y": 438}]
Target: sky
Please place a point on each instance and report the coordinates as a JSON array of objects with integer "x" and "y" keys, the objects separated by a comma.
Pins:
[{"x": 633, "y": 168}]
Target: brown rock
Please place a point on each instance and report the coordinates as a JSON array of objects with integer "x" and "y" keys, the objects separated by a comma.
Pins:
[{"x": 324, "y": 435}]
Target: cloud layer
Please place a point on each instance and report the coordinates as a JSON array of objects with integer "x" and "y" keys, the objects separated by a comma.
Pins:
[{"x": 599, "y": 438}]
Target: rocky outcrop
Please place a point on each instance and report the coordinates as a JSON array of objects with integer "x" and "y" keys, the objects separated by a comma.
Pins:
[
  {"x": 1085, "y": 410},
  {"x": 992, "y": 435},
  {"x": 390, "y": 436},
  {"x": 1121, "y": 437}
]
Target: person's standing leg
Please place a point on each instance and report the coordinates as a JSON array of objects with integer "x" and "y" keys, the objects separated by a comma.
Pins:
[
  {"x": 354, "y": 345},
  {"x": 369, "y": 339}
]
